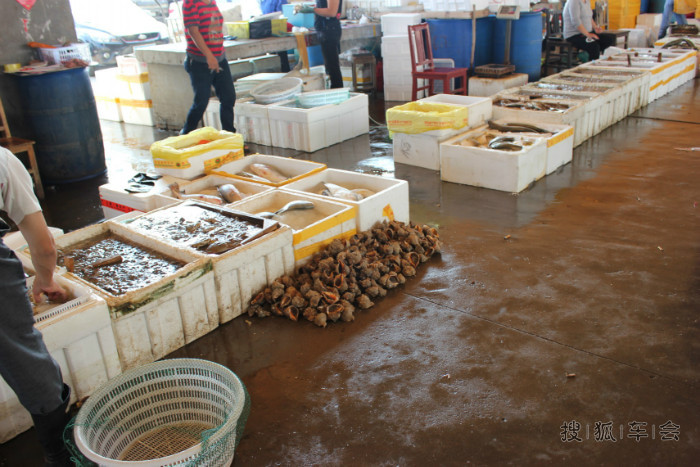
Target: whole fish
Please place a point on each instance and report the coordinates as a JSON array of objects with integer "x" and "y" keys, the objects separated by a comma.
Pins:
[
  {"x": 254, "y": 177},
  {"x": 499, "y": 140},
  {"x": 298, "y": 204},
  {"x": 175, "y": 191},
  {"x": 365, "y": 193},
  {"x": 516, "y": 127},
  {"x": 267, "y": 172},
  {"x": 230, "y": 193},
  {"x": 337, "y": 191},
  {"x": 503, "y": 146}
]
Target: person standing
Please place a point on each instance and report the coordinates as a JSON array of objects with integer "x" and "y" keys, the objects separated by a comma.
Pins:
[
  {"x": 666, "y": 17},
  {"x": 582, "y": 31},
  {"x": 327, "y": 24},
  {"x": 25, "y": 362},
  {"x": 206, "y": 62}
]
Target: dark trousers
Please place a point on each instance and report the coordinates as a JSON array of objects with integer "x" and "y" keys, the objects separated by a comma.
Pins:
[
  {"x": 202, "y": 79},
  {"x": 594, "y": 48},
  {"x": 330, "y": 48}
]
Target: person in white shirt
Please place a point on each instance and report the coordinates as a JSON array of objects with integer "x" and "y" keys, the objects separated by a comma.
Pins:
[
  {"x": 25, "y": 363},
  {"x": 581, "y": 30}
]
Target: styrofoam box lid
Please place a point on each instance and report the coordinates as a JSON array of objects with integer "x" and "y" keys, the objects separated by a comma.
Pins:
[
  {"x": 293, "y": 168},
  {"x": 455, "y": 142},
  {"x": 328, "y": 214},
  {"x": 346, "y": 179}
]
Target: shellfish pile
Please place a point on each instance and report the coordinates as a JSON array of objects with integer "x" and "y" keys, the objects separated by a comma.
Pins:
[{"x": 348, "y": 274}]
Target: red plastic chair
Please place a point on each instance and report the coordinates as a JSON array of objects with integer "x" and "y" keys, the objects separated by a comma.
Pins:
[{"x": 423, "y": 67}]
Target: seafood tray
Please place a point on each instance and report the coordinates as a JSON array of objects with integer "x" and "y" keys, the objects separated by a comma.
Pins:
[
  {"x": 542, "y": 111},
  {"x": 151, "y": 321},
  {"x": 560, "y": 143},
  {"x": 295, "y": 127},
  {"x": 637, "y": 82},
  {"x": 238, "y": 270},
  {"x": 79, "y": 336},
  {"x": 289, "y": 169},
  {"x": 387, "y": 198},
  {"x": 208, "y": 186},
  {"x": 116, "y": 200},
  {"x": 497, "y": 169},
  {"x": 200, "y": 151},
  {"x": 314, "y": 228}
]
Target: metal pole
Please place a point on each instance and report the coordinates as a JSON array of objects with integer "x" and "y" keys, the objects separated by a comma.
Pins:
[{"x": 506, "y": 57}]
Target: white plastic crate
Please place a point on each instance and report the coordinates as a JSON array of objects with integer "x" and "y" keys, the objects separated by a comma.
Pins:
[
  {"x": 319, "y": 127},
  {"x": 242, "y": 271},
  {"x": 79, "y": 337},
  {"x": 294, "y": 169},
  {"x": 396, "y": 24},
  {"x": 153, "y": 321},
  {"x": 511, "y": 171},
  {"x": 61, "y": 54},
  {"x": 389, "y": 201},
  {"x": 313, "y": 229}
]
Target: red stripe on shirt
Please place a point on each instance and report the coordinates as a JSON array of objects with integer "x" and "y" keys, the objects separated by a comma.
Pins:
[{"x": 210, "y": 22}]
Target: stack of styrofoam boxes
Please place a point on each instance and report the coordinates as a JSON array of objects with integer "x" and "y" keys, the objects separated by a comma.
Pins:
[
  {"x": 312, "y": 231},
  {"x": 240, "y": 272},
  {"x": 318, "y": 127},
  {"x": 651, "y": 23},
  {"x": 252, "y": 121},
  {"x": 637, "y": 37},
  {"x": 423, "y": 149},
  {"x": 637, "y": 82},
  {"x": 134, "y": 91},
  {"x": 503, "y": 170},
  {"x": 693, "y": 39},
  {"x": 106, "y": 98},
  {"x": 389, "y": 201},
  {"x": 78, "y": 335},
  {"x": 396, "y": 54},
  {"x": 116, "y": 200},
  {"x": 572, "y": 113},
  {"x": 153, "y": 321}
]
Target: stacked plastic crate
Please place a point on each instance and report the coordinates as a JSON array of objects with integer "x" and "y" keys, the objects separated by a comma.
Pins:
[{"x": 396, "y": 54}]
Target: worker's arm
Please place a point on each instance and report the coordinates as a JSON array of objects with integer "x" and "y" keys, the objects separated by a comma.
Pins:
[
  {"x": 596, "y": 28},
  {"x": 43, "y": 250},
  {"x": 583, "y": 31},
  {"x": 331, "y": 11},
  {"x": 212, "y": 62}
]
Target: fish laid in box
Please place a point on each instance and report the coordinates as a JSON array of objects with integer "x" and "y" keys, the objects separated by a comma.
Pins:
[
  {"x": 245, "y": 251},
  {"x": 159, "y": 297}
]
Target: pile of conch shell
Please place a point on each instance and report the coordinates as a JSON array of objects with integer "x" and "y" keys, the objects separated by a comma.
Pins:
[{"x": 348, "y": 274}]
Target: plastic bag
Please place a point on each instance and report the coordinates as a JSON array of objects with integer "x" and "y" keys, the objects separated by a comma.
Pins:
[{"x": 420, "y": 117}]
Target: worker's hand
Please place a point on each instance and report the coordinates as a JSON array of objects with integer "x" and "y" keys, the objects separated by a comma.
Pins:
[
  {"x": 213, "y": 64},
  {"x": 55, "y": 292},
  {"x": 593, "y": 36},
  {"x": 303, "y": 8},
  {"x": 598, "y": 29}
]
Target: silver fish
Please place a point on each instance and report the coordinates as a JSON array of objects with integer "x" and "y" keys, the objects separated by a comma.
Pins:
[
  {"x": 267, "y": 172},
  {"x": 299, "y": 204},
  {"x": 175, "y": 191},
  {"x": 230, "y": 193}
]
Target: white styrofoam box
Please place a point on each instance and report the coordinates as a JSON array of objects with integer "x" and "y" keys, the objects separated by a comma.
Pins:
[
  {"x": 117, "y": 200},
  {"x": 389, "y": 201},
  {"x": 108, "y": 108},
  {"x": 251, "y": 120},
  {"x": 137, "y": 112},
  {"x": 399, "y": 79},
  {"x": 318, "y": 127},
  {"x": 573, "y": 115},
  {"x": 485, "y": 87},
  {"x": 314, "y": 228},
  {"x": 15, "y": 240},
  {"x": 511, "y": 171},
  {"x": 130, "y": 65},
  {"x": 134, "y": 87},
  {"x": 396, "y": 64},
  {"x": 420, "y": 150},
  {"x": 399, "y": 93},
  {"x": 637, "y": 37},
  {"x": 241, "y": 272},
  {"x": 209, "y": 182},
  {"x": 620, "y": 100},
  {"x": 81, "y": 341},
  {"x": 153, "y": 321},
  {"x": 480, "y": 109},
  {"x": 494, "y": 5},
  {"x": 106, "y": 83},
  {"x": 637, "y": 82},
  {"x": 212, "y": 115},
  {"x": 650, "y": 19},
  {"x": 288, "y": 167},
  {"x": 396, "y": 45},
  {"x": 560, "y": 144},
  {"x": 396, "y": 24}
]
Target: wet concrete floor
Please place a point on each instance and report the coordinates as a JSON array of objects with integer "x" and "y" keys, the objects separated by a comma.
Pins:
[{"x": 558, "y": 326}]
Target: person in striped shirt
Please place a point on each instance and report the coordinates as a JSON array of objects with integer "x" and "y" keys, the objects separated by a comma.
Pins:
[{"x": 206, "y": 62}]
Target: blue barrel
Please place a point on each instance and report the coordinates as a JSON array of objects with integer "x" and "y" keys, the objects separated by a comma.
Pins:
[
  {"x": 452, "y": 38},
  {"x": 61, "y": 113},
  {"x": 525, "y": 43}
]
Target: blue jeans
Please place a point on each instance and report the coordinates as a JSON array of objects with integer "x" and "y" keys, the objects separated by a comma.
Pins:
[
  {"x": 202, "y": 79},
  {"x": 25, "y": 363},
  {"x": 665, "y": 18}
]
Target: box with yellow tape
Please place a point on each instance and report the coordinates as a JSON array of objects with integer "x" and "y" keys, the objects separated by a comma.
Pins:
[
  {"x": 138, "y": 112},
  {"x": 319, "y": 223},
  {"x": 137, "y": 87},
  {"x": 200, "y": 151},
  {"x": 427, "y": 118}
]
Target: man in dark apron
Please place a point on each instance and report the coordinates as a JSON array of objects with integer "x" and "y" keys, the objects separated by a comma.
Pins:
[{"x": 327, "y": 24}]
